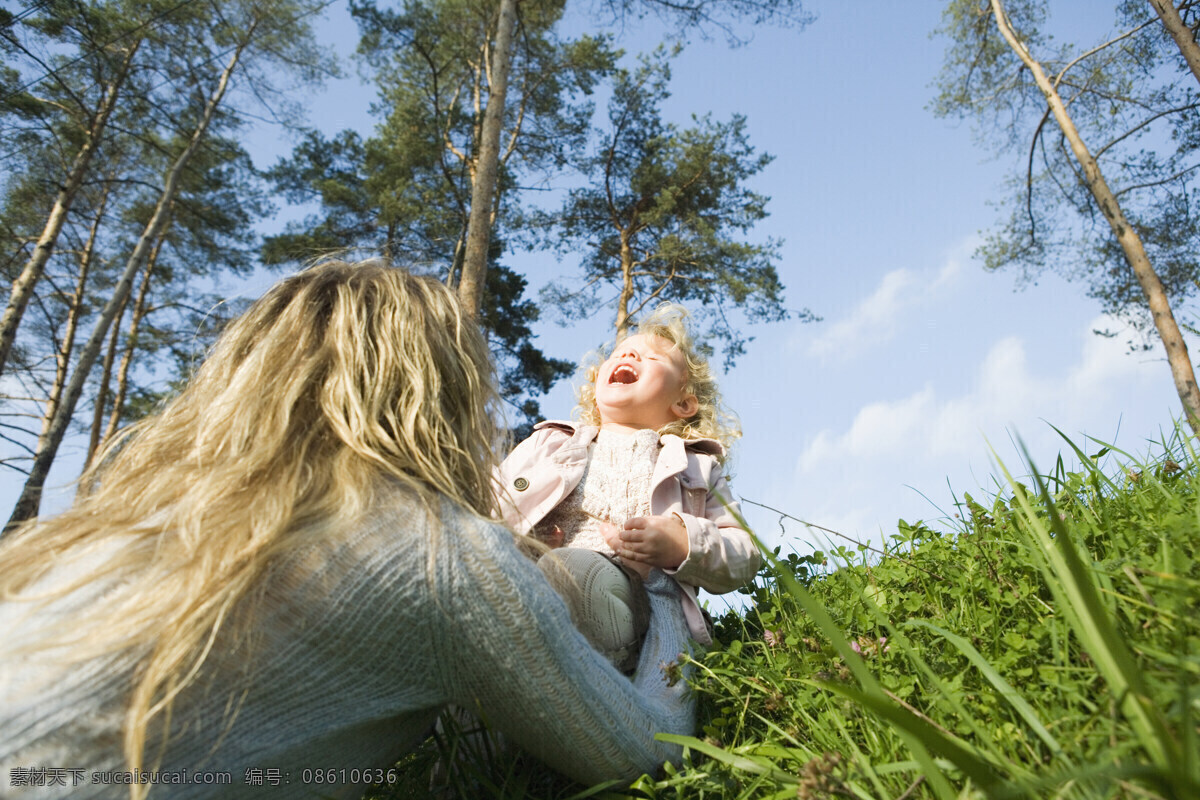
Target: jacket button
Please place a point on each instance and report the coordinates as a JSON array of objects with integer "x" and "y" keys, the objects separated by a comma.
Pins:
[{"x": 521, "y": 484}]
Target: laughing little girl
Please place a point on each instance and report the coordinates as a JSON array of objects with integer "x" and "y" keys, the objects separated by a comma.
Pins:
[{"x": 635, "y": 484}]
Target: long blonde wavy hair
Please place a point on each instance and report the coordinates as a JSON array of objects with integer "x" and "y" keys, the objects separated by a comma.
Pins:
[
  {"x": 712, "y": 420},
  {"x": 338, "y": 378}
]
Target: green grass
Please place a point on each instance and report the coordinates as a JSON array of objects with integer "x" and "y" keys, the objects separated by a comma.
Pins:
[{"x": 1046, "y": 647}]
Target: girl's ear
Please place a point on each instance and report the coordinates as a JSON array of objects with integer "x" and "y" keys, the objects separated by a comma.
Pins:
[{"x": 686, "y": 407}]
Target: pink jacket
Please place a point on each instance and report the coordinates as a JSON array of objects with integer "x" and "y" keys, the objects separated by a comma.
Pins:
[{"x": 687, "y": 481}]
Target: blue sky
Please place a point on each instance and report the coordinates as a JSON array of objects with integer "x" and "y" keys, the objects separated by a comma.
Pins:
[{"x": 922, "y": 358}]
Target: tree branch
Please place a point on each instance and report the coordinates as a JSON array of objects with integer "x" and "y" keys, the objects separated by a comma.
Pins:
[
  {"x": 807, "y": 524},
  {"x": 1143, "y": 124},
  {"x": 1058, "y": 78},
  {"x": 1037, "y": 135},
  {"x": 1148, "y": 184},
  {"x": 661, "y": 288}
]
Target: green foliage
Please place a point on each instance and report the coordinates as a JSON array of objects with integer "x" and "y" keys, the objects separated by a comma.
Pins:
[
  {"x": 708, "y": 16},
  {"x": 665, "y": 216},
  {"x": 429, "y": 61},
  {"x": 160, "y": 63},
  {"x": 331, "y": 173},
  {"x": 1044, "y": 649},
  {"x": 1048, "y": 647},
  {"x": 404, "y": 192}
]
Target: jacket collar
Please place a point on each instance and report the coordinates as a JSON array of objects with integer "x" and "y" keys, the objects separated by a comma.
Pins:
[{"x": 583, "y": 435}]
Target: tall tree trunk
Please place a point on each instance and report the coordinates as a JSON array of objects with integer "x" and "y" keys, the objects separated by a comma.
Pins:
[
  {"x": 31, "y": 494},
  {"x": 1180, "y": 33},
  {"x": 62, "y": 358},
  {"x": 31, "y": 273},
  {"x": 626, "y": 286},
  {"x": 483, "y": 189},
  {"x": 131, "y": 340},
  {"x": 1127, "y": 237},
  {"x": 110, "y": 356},
  {"x": 102, "y": 391},
  {"x": 99, "y": 437},
  {"x": 389, "y": 244}
]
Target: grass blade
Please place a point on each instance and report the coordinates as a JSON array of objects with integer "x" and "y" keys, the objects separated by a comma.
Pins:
[
  {"x": 744, "y": 763},
  {"x": 933, "y": 773},
  {"x": 933, "y": 740}
]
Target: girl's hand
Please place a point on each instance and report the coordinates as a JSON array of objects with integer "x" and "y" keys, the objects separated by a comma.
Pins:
[
  {"x": 656, "y": 541},
  {"x": 612, "y": 535}
]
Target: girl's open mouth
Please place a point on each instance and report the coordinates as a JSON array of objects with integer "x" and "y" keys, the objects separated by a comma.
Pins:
[{"x": 623, "y": 374}]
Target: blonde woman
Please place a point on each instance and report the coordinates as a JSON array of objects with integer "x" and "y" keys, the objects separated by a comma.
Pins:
[
  {"x": 636, "y": 484},
  {"x": 276, "y": 583}
]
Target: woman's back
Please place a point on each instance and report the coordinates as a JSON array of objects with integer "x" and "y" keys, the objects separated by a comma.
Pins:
[
  {"x": 288, "y": 569},
  {"x": 333, "y": 672}
]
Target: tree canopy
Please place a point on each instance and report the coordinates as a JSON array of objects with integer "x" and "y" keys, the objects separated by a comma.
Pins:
[
  {"x": 129, "y": 194},
  {"x": 405, "y": 192},
  {"x": 130, "y": 197},
  {"x": 1132, "y": 100},
  {"x": 664, "y": 216}
]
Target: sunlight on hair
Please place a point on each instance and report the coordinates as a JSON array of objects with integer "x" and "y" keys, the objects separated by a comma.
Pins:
[{"x": 340, "y": 377}]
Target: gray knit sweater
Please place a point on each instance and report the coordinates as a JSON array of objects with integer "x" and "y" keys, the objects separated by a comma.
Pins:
[{"x": 353, "y": 653}]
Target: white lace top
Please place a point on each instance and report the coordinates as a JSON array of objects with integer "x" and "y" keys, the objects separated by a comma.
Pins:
[{"x": 615, "y": 486}]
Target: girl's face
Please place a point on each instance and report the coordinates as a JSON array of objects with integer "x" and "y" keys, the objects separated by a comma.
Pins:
[{"x": 641, "y": 385}]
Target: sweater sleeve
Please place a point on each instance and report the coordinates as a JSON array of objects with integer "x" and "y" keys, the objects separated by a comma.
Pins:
[{"x": 512, "y": 656}]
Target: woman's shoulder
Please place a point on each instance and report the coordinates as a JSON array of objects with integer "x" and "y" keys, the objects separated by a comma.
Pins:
[
  {"x": 397, "y": 524},
  {"x": 406, "y": 544},
  {"x": 400, "y": 512},
  {"x": 432, "y": 520}
]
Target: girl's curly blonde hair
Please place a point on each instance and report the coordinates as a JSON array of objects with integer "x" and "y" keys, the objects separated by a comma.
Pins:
[{"x": 712, "y": 420}]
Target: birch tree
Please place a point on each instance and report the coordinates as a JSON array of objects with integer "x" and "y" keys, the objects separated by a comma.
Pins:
[
  {"x": 167, "y": 321},
  {"x": 1180, "y": 32},
  {"x": 405, "y": 192},
  {"x": 1106, "y": 193},
  {"x": 700, "y": 15},
  {"x": 27, "y": 504},
  {"x": 426, "y": 159},
  {"x": 75, "y": 102}
]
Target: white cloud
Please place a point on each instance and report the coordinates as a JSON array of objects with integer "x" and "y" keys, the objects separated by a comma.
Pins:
[
  {"x": 953, "y": 268},
  {"x": 860, "y": 475},
  {"x": 877, "y": 318},
  {"x": 1004, "y": 394},
  {"x": 872, "y": 320},
  {"x": 879, "y": 428}
]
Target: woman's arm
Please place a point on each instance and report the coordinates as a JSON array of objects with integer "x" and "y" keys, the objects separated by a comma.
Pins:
[{"x": 512, "y": 656}]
